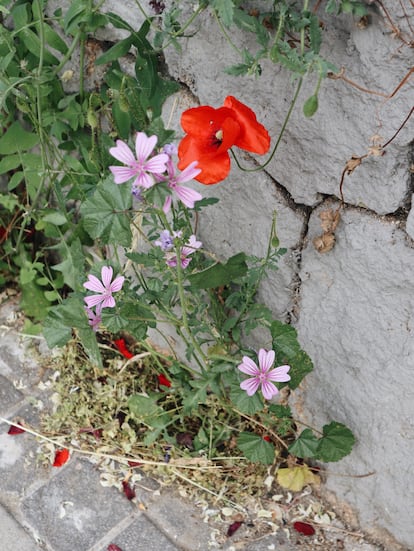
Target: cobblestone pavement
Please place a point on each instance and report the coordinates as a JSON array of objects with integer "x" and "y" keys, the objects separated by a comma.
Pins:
[{"x": 67, "y": 508}]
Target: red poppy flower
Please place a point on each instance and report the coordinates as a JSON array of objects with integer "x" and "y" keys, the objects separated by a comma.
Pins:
[
  {"x": 212, "y": 132},
  {"x": 121, "y": 346}
]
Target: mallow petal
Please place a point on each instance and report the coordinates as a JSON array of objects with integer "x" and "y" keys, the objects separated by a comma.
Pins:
[
  {"x": 144, "y": 146},
  {"x": 250, "y": 386},
  {"x": 106, "y": 275},
  {"x": 117, "y": 283},
  {"x": 266, "y": 359},
  {"x": 268, "y": 390},
  {"x": 122, "y": 173},
  {"x": 94, "y": 284},
  {"x": 122, "y": 153},
  {"x": 187, "y": 196},
  {"x": 279, "y": 374},
  {"x": 157, "y": 164},
  {"x": 248, "y": 366}
]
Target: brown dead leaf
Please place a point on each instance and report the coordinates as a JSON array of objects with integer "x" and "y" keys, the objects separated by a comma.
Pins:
[
  {"x": 324, "y": 243},
  {"x": 376, "y": 151},
  {"x": 352, "y": 163},
  {"x": 329, "y": 220}
]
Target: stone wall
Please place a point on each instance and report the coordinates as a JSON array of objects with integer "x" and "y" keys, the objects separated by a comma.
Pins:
[{"x": 352, "y": 305}]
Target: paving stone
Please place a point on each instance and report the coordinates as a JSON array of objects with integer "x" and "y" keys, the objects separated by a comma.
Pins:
[
  {"x": 19, "y": 464},
  {"x": 180, "y": 522},
  {"x": 9, "y": 395},
  {"x": 142, "y": 535},
  {"x": 74, "y": 511},
  {"x": 13, "y": 536}
]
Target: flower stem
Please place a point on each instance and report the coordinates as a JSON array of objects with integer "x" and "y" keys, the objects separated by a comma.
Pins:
[{"x": 282, "y": 131}]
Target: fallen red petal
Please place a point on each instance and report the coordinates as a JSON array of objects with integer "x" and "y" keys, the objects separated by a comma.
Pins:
[
  {"x": 128, "y": 491},
  {"x": 121, "y": 346},
  {"x": 162, "y": 380},
  {"x": 113, "y": 547},
  {"x": 135, "y": 463},
  {"x": 15, "y": 430},
  {"x": 304, "y": 528},
  {"x": 233, "y": 528},
  {"x": 61, "y": 457}
]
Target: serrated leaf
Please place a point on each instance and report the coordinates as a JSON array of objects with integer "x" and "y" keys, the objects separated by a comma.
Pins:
[
  {"x": 224, "y": 9},
  {"x": 146, "y": 410},
  {"x": 244, "y": 403},
  {"x": 72, "y": 267},
  {"x": 255, "y": 448},
  {"x": 220, "y": 274},
  {"x": 105, "y": 214},
  {"x": 17, "y": 139},
  {"x": 296, "y": 478},
  {"x": 337, "y": 442},
  {"x": 305, "y": 445}
]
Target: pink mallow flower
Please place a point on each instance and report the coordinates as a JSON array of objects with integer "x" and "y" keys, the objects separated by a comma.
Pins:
[
  {"x": 189, "y": 248},
  {"x": 185, "y": 194},
  {"x": 143, "y": 167},
  {"x": 261, "y": 376},
  {"x": 104, "y": 288},
  {"x": 94, "y": 317}
]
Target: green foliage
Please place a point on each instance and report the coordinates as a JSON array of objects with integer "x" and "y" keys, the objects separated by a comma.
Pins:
[
  {"x": 63, "y": 218},
  {"x": 256, "y": 448},
  {"x": 337, "y": 442}
]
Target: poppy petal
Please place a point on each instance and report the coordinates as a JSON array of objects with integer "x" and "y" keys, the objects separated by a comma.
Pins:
[
  {"x": 61, "y": 457},
  {"x": 113, "y": 547},
  {"x": 15, "y": 430},
  {"x": 253, "y": 136},
  {"x": 304, "y": 528},
  {"x": 234, "y": 526},
  {"x": 128, "y": 491}
]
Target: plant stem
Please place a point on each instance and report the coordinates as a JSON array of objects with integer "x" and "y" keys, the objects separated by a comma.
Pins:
[{"x": 282, "y": 131}]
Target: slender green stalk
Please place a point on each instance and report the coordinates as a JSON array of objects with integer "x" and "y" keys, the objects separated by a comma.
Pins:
[
  {"x": 282, "y": 131},
  {"x": 183, "y": 304}
]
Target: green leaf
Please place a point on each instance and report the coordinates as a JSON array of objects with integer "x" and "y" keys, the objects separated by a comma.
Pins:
[
  {"x": 288, "y": 351},
  {"x": 106, "y": 215},
  {"x": 9, "y": 202},
  {"x": 76, "y": 14},
  {"x": 146, "y": 410},
  {"x": 220, "y": 274},
  {"x": 305, "y": 445},
  {"x": 33, "y": 301},
  {"x": 255, "y": 448},
  {"x": 72, "y": 267},
  {"x": 225, "y": 9},
  {"x": 69, "y": 315},
  {"x": 244, "y": 403},
  {"x": 315, "y": 34},
  {"x": 10, "y": 162},
  {"x": 310, "y": 106},
  {"x": 120, "y": 49},
  {"x": 337, "y": 442},
  {"x": 17, "y": 139}
]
